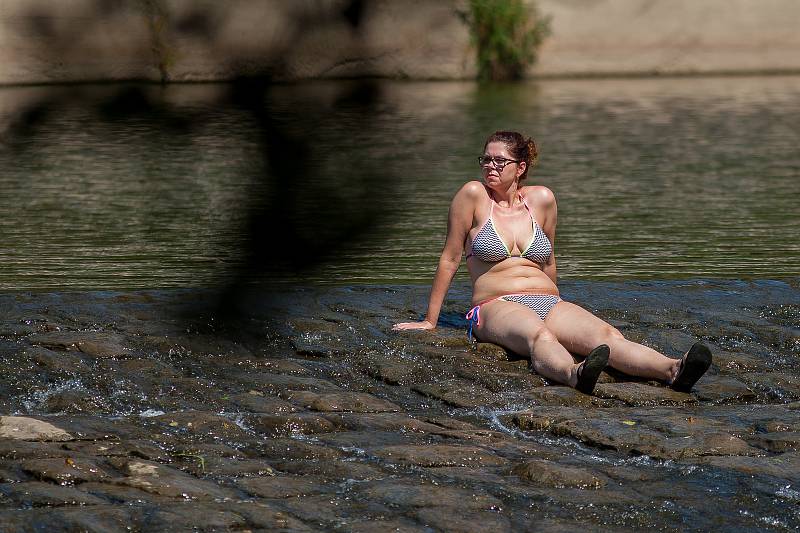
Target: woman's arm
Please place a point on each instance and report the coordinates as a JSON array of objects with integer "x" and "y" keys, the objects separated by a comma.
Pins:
[
  {"x": 545, "y": 204},
  {"x": 459, "y": 222}
]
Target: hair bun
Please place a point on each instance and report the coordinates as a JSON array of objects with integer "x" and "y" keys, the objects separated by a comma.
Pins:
[{"x": 533, "y": 151}]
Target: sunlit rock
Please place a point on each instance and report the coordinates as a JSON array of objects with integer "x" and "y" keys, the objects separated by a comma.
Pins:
[
  {"x": 633, "y": 393},
  {"x": 22, "y": 428},
  {"x": 552, "y": 474},
  {"x": 341, "y": 401}
]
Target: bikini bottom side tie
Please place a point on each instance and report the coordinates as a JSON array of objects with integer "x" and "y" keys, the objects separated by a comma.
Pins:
[{"x": 474, "y": 318}]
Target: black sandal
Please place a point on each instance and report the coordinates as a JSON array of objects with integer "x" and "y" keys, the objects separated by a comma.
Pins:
[
  {"x": 693, "y": 365},
  {"x": 590, "y": 369}
]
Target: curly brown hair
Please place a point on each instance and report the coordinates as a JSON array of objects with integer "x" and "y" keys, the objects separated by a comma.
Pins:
[{"x": 521, "y": 148}]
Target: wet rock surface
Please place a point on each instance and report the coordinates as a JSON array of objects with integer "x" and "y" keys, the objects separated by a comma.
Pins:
[{"x": 150, "y": 411}]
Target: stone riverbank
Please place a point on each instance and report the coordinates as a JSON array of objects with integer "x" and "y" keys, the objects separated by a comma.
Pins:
[{"x": 151, "y": 411}]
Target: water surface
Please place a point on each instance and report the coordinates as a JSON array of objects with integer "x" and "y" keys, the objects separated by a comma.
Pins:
[{"x": 655, "y": 178}]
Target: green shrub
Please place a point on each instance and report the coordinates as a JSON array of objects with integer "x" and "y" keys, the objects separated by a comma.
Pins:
[{"x": 507, "y": 35}]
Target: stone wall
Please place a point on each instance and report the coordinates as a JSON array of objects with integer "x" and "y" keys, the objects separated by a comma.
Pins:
[
  {"x": 670, "y": 36},
  {"x": 202, "y": 40},
  {"x": 45, "y": 41}
]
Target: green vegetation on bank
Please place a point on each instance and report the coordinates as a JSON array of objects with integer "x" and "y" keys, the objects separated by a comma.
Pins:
[{"x": 507, "y": 35}]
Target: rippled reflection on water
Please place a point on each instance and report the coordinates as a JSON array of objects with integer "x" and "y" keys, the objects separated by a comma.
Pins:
[{"x": 656, "y": 179}]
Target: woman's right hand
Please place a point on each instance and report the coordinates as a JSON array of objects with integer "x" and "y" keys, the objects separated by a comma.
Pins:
[{"x": 413, "y": 325}]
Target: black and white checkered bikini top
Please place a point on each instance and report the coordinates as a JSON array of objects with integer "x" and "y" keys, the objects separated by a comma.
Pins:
[{"x": 490, "y": 248}]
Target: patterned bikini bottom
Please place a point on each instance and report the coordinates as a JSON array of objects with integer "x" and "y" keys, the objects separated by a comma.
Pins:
[{"x": 540, "y": 303}]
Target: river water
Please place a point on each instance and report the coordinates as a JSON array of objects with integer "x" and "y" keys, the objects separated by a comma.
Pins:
[{"x": 114, "y": 187}]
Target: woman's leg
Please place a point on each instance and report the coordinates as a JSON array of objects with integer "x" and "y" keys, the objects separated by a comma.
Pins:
[
  {"x": 520, "y": 329},
  {"x": 579, "y": 331}
]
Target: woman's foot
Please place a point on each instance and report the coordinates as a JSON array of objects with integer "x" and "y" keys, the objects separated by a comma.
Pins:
[
  {"x": 693, "y": 365},
  {"x": 589, "y": 371}
]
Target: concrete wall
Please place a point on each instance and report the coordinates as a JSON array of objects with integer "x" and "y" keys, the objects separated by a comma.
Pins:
[
  {"x": 670, "y": 36},
  {"x": 197, "y": 40}
]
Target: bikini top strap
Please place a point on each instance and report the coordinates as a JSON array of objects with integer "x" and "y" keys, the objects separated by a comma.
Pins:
[{"x": 525, "y": 203}]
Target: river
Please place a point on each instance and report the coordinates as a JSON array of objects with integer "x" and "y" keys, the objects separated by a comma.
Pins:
[{"x": 115, "y": 187}]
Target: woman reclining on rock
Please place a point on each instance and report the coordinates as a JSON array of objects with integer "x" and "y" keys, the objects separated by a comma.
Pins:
[{"x": 508, "y": 231}]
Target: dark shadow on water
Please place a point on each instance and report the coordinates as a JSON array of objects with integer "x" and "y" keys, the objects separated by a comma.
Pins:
[{"x": 289, "y": 214}]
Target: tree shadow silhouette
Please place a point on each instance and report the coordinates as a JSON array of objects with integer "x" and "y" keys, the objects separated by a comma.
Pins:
[{"x": 286, "y": 217}]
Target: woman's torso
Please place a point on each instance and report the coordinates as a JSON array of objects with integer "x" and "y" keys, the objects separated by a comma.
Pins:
[{"x": 510, "y": 249}]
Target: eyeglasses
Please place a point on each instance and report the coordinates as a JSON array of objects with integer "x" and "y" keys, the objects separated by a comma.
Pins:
[{"x": 498, "y": 162}]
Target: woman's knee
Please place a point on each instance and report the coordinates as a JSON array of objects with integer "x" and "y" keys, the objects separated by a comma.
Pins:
[
  {"x": 610, "y": 334},
  {"x": 541, "y": 335}
]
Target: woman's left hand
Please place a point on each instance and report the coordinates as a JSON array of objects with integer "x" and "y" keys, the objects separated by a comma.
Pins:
[{"x": 413, "y": 325}]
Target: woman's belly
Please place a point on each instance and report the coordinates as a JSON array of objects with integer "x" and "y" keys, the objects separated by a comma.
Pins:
[{"x": 513, "y": 275}]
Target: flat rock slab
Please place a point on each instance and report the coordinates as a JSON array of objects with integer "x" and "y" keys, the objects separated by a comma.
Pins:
[
  {"x": 381, "y": 523},
  {"x": 38, "y": 493},
  {"x": 275, "y": 384},
  {"x": 102, "y": 517},
  {"x": 291, "y": 424},
  {"x": 326, "y": 509},
  {"x": 261, "y": 517},
  {"x": 96, "y": 344},
  {"x": 738, "y": 362},
  {"x": 784, "y": 466},
  {"x": 285, "y": 449},
  {"x": 394, "y": 373},
  {"x": 779, "y": 442},
  {"x": 257, "y": 402},
  {"x": 719, "y": 389},
  {"x": 314, "y": 326},
  {"x": 284, "y": 486},
  {"x": 497, "y": 380},
  {"x": 438, "y": 455},
  {"x": 551, "y": 474},
  {"x": 333, "y": 472},
  {"x": 203, "y": 423},
  {"x": 317, "y": 348},
  {"x": 457, "y": 394},
  {"x": 400, "y": 422},
  {"x": 636, "y": 394},
  {"x": 493, "y": 352},
  {"x": 657, "y": 433},
  {"x": 163, "y": 480},
  {"x": 56, "y": 361},
  {"x": 404, "y": 494},
  {"x": 557, "y": 395},
  {"x": 71, "y": 402},
  {"x": 197, "y": 463},
  {"x": 783, "y": 385},
  {"x": 23, "y": 428},
  {"x": 354, "y": 402},
  {"x": 66, "y": 470},
  {"x": 280, "y": 366},
  {"x": 457, "y": 520}
]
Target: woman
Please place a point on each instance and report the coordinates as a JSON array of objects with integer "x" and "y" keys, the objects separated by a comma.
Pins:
[{"x": 509, "y": 231}]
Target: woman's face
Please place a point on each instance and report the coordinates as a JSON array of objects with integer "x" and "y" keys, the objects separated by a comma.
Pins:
[{"x": 502, "y": 169}]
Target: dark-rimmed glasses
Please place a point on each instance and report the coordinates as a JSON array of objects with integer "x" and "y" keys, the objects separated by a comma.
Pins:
[{"x": 497, "y": 162}]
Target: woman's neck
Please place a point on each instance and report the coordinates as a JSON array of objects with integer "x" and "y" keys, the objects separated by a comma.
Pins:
[{"x": 506, "y": 198}]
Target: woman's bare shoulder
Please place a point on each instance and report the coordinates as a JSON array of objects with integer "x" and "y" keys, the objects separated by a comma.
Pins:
[
  {"x": 539, "y": 195},
  {"x": 473, "y": 188},
  {"x": 472, "y": 191}
]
